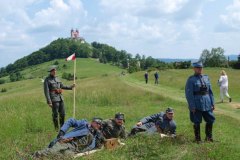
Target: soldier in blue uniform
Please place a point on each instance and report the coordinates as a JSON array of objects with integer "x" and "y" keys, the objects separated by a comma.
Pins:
[
  {"x": 53, "y": 93},
  {"x": 200, "y": 100},
  {"x": 83, "y": 137},
  {"x": 163, "y": 121}
]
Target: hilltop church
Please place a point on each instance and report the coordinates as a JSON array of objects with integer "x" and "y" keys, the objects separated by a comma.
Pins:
[{"x": 76, "y": 36}]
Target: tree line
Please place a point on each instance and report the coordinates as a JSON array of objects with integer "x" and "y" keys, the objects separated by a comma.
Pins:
[{"x": 62, "y": 48}]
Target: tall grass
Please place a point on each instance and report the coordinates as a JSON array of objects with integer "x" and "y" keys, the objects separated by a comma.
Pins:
[{"x": 26, "y": 124}]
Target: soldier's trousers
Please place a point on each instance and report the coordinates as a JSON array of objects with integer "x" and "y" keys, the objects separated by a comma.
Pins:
[
  {"x": 208, "y": 116},
  {"x": 58, "y": 108}
]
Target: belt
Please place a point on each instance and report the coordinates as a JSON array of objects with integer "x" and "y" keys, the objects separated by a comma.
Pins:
[
  {"x": 200, "y": 93},
  {"x": 58, "y": 91}
]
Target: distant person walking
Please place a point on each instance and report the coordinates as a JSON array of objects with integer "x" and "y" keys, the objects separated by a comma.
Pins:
[
  {"x": 223, "y": 83},
  {"x": 156, "y": 76},
  {"x": 200, "y": 100},
  {"x": 53, "y": 93},
  {"x": 146, "y": 77}
]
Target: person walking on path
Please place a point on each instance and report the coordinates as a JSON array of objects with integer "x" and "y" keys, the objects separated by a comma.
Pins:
[
  {"x": 156, "y": 76},
  {"x": 53, "y": 92},
  {"x": 223, "y": 83},
  {"x": 146, "y": 77}
]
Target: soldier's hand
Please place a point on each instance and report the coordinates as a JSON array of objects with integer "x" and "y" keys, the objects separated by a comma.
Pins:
[
  {"x": 213, "y": 107},
  {"x": 50, "y": 105},
  {"x": 60, "y": 134},
  {"x": 139, "y": 124},
  {"x": 73, "y": 85},
  {"x": 193, "y": 110}
]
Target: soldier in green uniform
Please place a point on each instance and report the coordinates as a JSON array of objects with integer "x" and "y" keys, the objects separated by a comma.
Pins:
[
  {"x": 53, "y": 93},
  {"x": 114, "y": 128}
]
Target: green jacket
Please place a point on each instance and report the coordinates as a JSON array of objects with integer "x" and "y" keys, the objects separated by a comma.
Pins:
[
  {"x": 111, "y": 130},
  {"x": 51, "y": 86}
]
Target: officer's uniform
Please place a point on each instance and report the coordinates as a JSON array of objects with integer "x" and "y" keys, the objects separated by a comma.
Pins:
[
  {"x": 200, "y": 98},
  {"x": 53, "y": 93},
  {"x": 162, "y": 123},
  {"x": 111, "y": 129},
  {"x": 81, "y": 139}
]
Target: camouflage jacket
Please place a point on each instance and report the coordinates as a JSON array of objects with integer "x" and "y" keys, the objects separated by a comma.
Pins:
[
  {"x": 52, "y": 84},
  {"x": 111, "y": 130}
]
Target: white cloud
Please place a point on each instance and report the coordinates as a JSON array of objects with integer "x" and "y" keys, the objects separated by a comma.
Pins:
[
  {"x": 151, "y": 27},
  {"x": 232, "y": 18}
]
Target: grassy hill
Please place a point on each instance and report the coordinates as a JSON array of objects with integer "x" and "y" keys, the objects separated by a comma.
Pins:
[{"x": 26, "y": 124}]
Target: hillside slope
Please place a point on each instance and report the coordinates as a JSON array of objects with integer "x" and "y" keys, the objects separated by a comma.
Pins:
[{"x": 102, "y": 91}]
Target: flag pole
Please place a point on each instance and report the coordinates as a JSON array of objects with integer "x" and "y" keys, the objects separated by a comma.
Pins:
[{"x": 74, "y": 89}]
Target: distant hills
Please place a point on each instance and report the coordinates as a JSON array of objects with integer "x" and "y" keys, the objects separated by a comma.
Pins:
[
  {"x": 170, "y": 60},
  {"x": 232, "y": 57}
]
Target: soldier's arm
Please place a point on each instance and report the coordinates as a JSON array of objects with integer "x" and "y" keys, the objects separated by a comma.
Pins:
[
  {"x": 66, "y": 87},
  {"x": 211, "y": 94},
  {"x": 152, "y": 118},
  {"x": 189, "y": 94},
  {"x": 173, "y": 128},
  {"x": 46, "y": 92},
  {"x": 123, "y": 133}
]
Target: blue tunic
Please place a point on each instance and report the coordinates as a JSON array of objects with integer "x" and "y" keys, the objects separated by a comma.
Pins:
[
  {"x": 161, "y": 120},
  {"x": 197, "y": 100}
]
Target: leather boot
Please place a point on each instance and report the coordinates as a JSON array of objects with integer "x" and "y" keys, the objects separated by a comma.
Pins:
[
  {"x": 61, "y": 119},
  {"x": 55, "y": 122},
  {"x": 197, "y": 133},
  {"x": 208, "y": 132}
]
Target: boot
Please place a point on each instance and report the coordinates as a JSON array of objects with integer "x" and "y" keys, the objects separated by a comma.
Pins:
[
  {"x": 208, "y": 132},
  {"x": 230, "y": 100},
  {"x": 61, "y": 120},
  {"x": 197, "y": 133},
  {"x": 55, "y": 122}
]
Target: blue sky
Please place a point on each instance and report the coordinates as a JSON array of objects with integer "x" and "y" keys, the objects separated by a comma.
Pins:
[{"x": 157, "y": 28}]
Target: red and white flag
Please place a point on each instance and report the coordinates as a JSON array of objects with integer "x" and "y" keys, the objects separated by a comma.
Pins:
[{"x": 71, "y": 58}]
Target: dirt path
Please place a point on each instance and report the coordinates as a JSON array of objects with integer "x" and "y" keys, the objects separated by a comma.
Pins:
[{"x": 227, "y": 109}]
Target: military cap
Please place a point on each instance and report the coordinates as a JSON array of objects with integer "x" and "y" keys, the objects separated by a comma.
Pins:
[
  {"x": 169, "y": 110},
  {"x": 119, "y": 116},
  {"x": 97, "y": 120},
  {"x": 52, "y": 68},
  {"x": 197, "y": 64}
]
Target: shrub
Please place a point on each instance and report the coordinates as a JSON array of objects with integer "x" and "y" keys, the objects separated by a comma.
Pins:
[
  {"x": 68, "y": 76},
  {"x": 2, "y": 81},
  {"x": 4, "y": 90}
]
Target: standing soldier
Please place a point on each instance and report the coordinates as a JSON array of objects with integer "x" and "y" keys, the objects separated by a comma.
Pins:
[
  {"x": 53, "y": 93},
  {"x": 200, "y": 101}
]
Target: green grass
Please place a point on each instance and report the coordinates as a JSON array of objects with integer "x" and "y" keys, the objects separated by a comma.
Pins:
[{"x": 26, "y": 124}]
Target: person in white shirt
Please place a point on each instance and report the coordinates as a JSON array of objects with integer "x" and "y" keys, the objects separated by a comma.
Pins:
[{"x": 223, "y": 83}]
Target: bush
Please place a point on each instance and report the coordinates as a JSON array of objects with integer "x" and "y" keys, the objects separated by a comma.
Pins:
[
  {"x": 68, "y": 76},
  {"x": 2, "y": 81},
  {"x": 56, "y": 63},
  {"x": 4, "y": 90}
]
